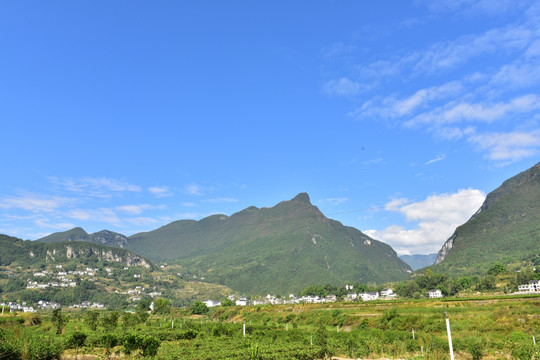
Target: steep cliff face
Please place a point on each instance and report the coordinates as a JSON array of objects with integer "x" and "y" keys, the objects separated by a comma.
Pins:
[
  {"x": 113, "y": 255},
  {"x": 447, "y": 246}
]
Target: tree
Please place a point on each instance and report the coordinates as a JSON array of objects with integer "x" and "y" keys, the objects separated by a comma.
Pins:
[
  {"x": 142, "y": 308},
  {"x": 162, "y": 306},
  {"x": 199, "y": 308},
  {"x": 77, "y": 340},
  {"x": 109, "y": 341},
  {"x": 227, "y": 302},
  {"x": 110, "y": 320},
  {"x": 487, "y": 283},
  {"x": 92, "y": 319},
  {"x": 58, "y": 320},
  {"x": 497, "y": 269},
  {"x": 129, "y": 320},
  {"x": 322, "y": 342}
]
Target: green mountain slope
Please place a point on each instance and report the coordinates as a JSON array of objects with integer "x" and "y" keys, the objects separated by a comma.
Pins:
[
  {"x": 506, "y": 228},
  {"x": 104, "y": 237},
  {"x": 279, "y": 249}
]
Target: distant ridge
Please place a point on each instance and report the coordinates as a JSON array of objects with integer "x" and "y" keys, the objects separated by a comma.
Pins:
[
  {"x": 104, "y": 237},
  {"x": 506, "y": 228},
  {"x": 419, "y": 261}
]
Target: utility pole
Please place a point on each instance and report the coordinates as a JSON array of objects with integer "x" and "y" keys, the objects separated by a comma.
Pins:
[{"x": 449, "y": 336}]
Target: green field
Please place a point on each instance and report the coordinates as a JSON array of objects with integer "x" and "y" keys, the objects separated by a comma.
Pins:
[{"x": 486, "y": 327}]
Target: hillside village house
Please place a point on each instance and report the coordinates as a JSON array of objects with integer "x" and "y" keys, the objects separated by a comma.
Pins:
[
  {"x": 388, "y": 294},
  {"x": 433, "y": 294},
  {"x": 532, "y": 287},
  {"x": 212, "y": 303},
  {"x": 370, "y": 296}
]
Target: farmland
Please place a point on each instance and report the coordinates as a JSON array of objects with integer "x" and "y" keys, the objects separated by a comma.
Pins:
[{"x": 487, "y": 327}]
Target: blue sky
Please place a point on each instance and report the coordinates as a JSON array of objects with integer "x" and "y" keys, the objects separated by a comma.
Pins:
[{"x": 396, "y": 117}]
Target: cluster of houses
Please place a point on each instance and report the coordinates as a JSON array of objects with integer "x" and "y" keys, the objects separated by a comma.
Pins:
[
  {"x": 533, "y": 287},
  {"x": 15, "y": 307},
  {"x": 88, "y": 305},
  {"x": 60, "y": 278},
  {"x": 44, "y": 305},
  {"x": 386, "y": 294},
  {"x": 138, "y": 292}
]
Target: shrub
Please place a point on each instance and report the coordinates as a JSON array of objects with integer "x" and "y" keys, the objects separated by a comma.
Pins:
[{"x": 475, "y": 347}]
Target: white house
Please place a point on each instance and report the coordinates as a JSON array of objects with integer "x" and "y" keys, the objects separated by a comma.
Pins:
[
  {"x": 532, "y": 287},
  {"x": 241, "y": 302},
  {"x": 370, "y": 296},
  {"x": 433, "y": 294},
  {"x": 212, "y": 303}
]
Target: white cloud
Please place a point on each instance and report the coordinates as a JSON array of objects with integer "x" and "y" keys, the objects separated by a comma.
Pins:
[
  {"x": 35, "y": 203},
  {"x": 517, "y": 75},
  {"x": 342, "y": 87},
  {"x": 508, "y": 147},
  {"x": 447, "y": 55},
  {"x": 138, "y": 209},
  {"x": 141, "y": 221},
  {"x": 160, "y": 191},
  {"x": 105, "y": 215},
  {"x": 395, "y": 204},
  {"x": 481, "y": 112},
  {"x": 435, "y": 218},
  {"x": 437, "y": 159},
  {"x": 95, "y": 187},
  {"x": 194, "y": 189},
  {"x": 45, "y": 223}
]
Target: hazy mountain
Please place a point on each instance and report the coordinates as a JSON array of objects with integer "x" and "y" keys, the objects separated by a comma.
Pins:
[
  {"x": 505, "y": 229},
  {"x": 279, "y": 249},
  {"x": 419, "y": 261}
]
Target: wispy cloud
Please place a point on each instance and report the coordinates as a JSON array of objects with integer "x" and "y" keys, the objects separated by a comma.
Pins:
[
  {"x": 437, "y": 159},
  {"x": 160, "y": 191},
  {"x": 483, "y": 112},
  {"x": 138, "y": 209},
  {"x": 35, "y": 202},
  {"x": 342, "y": 87},
  {"x": 95, "y": 187},
  {"x": 336, "y": 201},
  {"x": 103, "y": 215},
  {"x": 473, "y": 103},
  {"x": 508, "y": 147},
  {"x": 195, "y": 189}
]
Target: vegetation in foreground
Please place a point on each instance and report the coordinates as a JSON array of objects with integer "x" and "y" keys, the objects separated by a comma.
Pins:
[{"x": 489, "y": 327}]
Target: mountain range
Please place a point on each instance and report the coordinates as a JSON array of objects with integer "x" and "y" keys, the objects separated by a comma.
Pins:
[
  {"x": 418, "y": 261},
  {"x": 286, "y": 247},
  {"x": 279, "y": 249}
]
